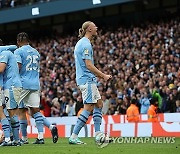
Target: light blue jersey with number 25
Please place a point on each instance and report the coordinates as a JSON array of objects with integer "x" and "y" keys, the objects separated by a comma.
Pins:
[{"x": 29, "y": 58}]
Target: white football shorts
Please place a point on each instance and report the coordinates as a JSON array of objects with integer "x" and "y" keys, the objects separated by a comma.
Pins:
[
  {"x": 12, "y": 97},
  {"x": 90, "y": 93},
  {"x": 29, "y": 98}
]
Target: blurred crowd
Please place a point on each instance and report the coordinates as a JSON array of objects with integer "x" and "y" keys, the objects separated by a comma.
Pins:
[
  {"x": 144, "y": 62},
  {"x": 14, "y": 3}
]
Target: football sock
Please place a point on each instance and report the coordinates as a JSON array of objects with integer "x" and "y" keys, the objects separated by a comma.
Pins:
[
  {"x": 5, "y": 127},
  {"x": 15, "y": 127},
  {"x": 39, "y": 124},
  {"x": 81, "y": 121},
  {"x": 8, "y": 118},
  {"x": 40, "y": 135},
  {"x": 74, "y": 136},
  {"x": 46, "y": 122},
  {"x": 97, "y": 118},
  {"x": 23, "y": 126}
]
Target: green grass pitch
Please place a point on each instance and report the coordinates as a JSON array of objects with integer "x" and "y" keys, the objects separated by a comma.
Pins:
[{"x": 62, "y": 147}]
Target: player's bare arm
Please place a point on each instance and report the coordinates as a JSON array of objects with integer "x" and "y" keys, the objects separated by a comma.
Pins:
[
  {"x": 97, "y": 72},
  {"x": 2, "y": 67}
]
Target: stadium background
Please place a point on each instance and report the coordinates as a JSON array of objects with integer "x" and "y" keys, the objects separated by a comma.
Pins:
[
  {"x": 46, "y": 20},
  {"x": 66, "y": 16}
]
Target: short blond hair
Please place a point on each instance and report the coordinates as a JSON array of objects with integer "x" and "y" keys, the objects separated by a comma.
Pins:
[{"x": 82, "y": 30}]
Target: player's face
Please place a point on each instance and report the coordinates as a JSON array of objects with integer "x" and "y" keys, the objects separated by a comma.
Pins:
[
  {"x": 93, "y": 29},
  {"x": 19, "y": 43}
]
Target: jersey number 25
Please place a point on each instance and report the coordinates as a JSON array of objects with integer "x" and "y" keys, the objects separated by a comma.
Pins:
[{"x": 33, "y": 63}]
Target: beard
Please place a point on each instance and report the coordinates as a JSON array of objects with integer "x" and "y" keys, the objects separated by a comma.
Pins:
[{"x": 93, "y": 38}]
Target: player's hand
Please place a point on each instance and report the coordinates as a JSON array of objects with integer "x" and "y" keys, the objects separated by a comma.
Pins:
[{"x": 107, "y": 77}]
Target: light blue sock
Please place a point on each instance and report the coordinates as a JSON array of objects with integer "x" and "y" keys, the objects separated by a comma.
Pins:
[
  {"x": 97, "y": 118},
  {"x": 15, "y": 127},
  {"x": 5, "y": 127},
  {"x": 39, "y": 121},
  {"x": 81, "y": 121},
  {"x": 23, "y": 125},
  {"x": 8, "y": 118},
  {"x": 46, "y": 122}
]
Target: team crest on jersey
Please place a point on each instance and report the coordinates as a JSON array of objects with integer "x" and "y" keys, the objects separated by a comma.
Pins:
[{"x": 86, "y": 52}]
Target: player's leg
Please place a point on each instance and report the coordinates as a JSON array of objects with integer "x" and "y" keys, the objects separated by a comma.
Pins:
[
  {"x": 33, "y": 101},
  {"x": 98, "y": 104},
  {"x": 97, "y": 112},
  {"x": 13, "y": 113},
  {"x": 5, "y": 127},
  {"x": 23, "y": 123},
  {"x": 12, "y": 99},
  {"x": 53, "y": 129},
  {"x": 9, "y": 120},
  {"x": 87, "y": 91},
  {"x": 81, "y": 121},
  {"x": 97, "y": 116},
  {"x": 39, "y": 124}
]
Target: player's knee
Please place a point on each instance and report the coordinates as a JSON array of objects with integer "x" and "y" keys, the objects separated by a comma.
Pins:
[
  {"x": 12, "y": 112},
  {"x": 22, "y": 114},
  {"x": 89, "y": 107},
  {"x": 1, "y": 109},
  {"x": 34, "y": 110},
  {"x": 1, "y": 112},
  {"x": 99, "y": 104},
  {"x": 21, "y": 111}
]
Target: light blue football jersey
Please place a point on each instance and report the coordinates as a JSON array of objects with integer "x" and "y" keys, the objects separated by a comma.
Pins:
[
  {"x": 29, "y": 58},
  {"x": 8, "y": 47},
  {"x": 11, "y": 76},
  {"x": 83, "y": 50}
]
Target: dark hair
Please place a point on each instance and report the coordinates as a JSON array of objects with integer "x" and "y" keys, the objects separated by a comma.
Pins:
[
  {"x": 22, "y": 37},
  {"x": 1, "y": 42},
  {"x": 133, "y": 101},
  {"x": 153, "y": 101}
]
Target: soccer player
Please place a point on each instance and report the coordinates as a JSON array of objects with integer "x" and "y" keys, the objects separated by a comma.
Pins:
[
  {"x": 86, "y": 74},
  {"x": 4, "y": 120},
  {"x": 12, "y": 88},
  {"x": 28, "y": 59}
]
